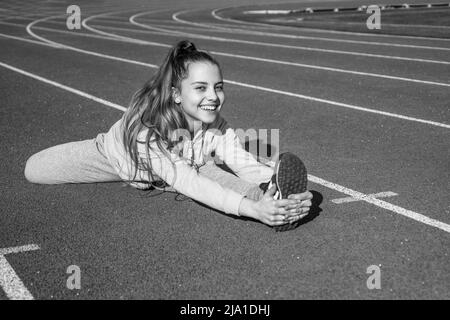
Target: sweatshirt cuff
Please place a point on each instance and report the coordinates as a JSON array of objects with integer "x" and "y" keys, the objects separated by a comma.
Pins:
[{"x": 232, "y": 201}]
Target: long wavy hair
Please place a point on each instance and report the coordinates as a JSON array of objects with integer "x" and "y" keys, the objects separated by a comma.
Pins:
[{"x": 153, "y": 107}]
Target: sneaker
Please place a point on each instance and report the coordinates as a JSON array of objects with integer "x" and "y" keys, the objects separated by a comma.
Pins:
[{"x": 290, "y": 177}]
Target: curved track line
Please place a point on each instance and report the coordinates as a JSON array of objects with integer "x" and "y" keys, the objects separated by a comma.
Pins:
[
  {"x": 360, "y": 196},
  {"x": 86, "y": 35},
  {"x": 58, "y": 45},
  {"x": 376, "y": 75},
  {"x": 128, "y": 39},
  {"x": 200, "y": 36},
  {"x": 290, "y": 36},
  {"x": 142, "y": 42},
  {"x": 26, "y": 40},
  {"x": 241, "y": 22},
  {"x": 286, "y": 93}
]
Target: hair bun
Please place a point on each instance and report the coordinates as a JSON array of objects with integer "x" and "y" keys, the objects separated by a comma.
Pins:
[{"x": 184, "y": 47}]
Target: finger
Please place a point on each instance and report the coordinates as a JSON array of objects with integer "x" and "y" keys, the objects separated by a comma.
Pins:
[
  {"x": 277, "y": 223},
  {"x": 299, "y": 211},
  {"x": 286, "y": 202},
  {"x": 306, "y": 203},
  {"x": 290, "y": 207},
  {"x": 301, "y": 204},
  {"x": 293, "y": 219},
  {"x": 295, "y": 196},
  {"x": 281, "y": 211},
  {"x": 301, "y": 196},
  {"x": 271, "y": 192},
  {"x": 277, "y": 220}
]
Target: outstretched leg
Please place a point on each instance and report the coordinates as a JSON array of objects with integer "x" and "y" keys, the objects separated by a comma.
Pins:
[
  {"x": 230, "y": 181},
  {"x": 73, "y": 162}
]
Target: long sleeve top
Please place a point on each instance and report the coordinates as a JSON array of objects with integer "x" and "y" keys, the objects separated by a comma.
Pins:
[{"x": 217, "y": 142}]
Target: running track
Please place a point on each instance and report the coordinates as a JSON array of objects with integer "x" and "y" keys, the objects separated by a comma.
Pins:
[{"x": 368, "y": 114}]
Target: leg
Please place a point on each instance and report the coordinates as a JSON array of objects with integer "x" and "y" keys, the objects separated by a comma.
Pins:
[
  {"x": 73, "y": 162},
  {"x": 229, "y": 180}
]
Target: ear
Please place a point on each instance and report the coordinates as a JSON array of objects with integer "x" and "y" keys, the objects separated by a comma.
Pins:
[{"x": 176, "y": 96}]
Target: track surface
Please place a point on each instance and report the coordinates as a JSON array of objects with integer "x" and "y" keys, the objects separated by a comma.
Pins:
[{"x": 367, "y": 114}]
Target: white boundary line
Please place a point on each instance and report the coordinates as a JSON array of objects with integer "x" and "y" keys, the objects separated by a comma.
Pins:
[
  {"x": 355, "y": 194},
  {"x": 284, "y": 62},
  {"x": 58, "y": 45},
  {"x": 9, "y": 280},
  {"x": 301, "y": 65},
  {"x": 78, "y": 34},
  {"x": 27, "y": 40},
  {"x": 29, "y": 247},
  {"x": 255, "y": 58},
  {"x": 266, "y": 25},
  {"x": 286, "y": 93},
  {"x": 84, "y": 24},
  {"x": 61, "y": 86},
  {"x": 292, "y": 36},
  {"x": 277, "y": 45},
  {"x": 382, "y": 204}
]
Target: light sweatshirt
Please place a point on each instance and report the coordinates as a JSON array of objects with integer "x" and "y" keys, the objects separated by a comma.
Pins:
[{"x": 216, "y": 142}]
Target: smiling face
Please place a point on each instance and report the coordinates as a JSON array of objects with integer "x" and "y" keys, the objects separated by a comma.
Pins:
[{"x": 201, "y": 94}]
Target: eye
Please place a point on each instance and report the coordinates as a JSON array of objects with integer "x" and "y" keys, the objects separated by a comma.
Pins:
[
  {"x": 219, "y": 87},
  {"x": 201, "y": 88}
]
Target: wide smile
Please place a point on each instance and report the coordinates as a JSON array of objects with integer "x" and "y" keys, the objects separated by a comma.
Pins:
[{"x": 209, "y": 107}]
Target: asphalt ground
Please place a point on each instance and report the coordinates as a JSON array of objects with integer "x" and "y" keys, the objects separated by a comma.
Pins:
[{"x": 365, "y": 118}]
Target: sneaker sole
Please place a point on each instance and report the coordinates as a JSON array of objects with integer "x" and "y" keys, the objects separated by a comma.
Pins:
[{"x": 291, "y": 178}]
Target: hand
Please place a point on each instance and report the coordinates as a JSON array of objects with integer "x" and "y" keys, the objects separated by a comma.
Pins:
[
  {"x": 302, "y": 209},
  {"x": 278, "y": 212}
]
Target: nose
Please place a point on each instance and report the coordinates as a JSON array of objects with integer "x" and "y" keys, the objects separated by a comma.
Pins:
[{"x": 212, "y": 95}]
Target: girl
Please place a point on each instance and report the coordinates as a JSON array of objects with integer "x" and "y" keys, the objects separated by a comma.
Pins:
[{"x": 171, "y": 138}]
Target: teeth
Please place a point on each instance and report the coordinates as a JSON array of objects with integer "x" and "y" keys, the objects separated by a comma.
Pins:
[{"x": 208, "y": 108}]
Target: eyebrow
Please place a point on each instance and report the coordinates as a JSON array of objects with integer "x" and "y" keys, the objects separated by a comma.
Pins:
[{"x": 205, "y": 83}]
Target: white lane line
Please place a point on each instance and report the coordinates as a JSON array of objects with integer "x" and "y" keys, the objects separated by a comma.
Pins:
[
  {"x": 338, "y": 104},
  {"x": 111, "y": 36},
  {"x": 29, "y": 247},
  {"x": 84, "y": 24},
  {"x": 372, "y": 195},
  {"x": 175, "y": 17},
  {"x": 268, "y": 25},
  {"x": 58, "y": 45},
  {"x": 77, "y": 34},
  {"x": 27, "y": 40},
  {"x": 286, "y": 93},
  {"x": 9, "y": 280},
  {"x": 382, "y": 204},
  {"x": 355, "y": 194},
  {"x": 61, "y": 86},
  {"x": 295, "y": 64},
  {"x": 301, "y": 65},
  {"x": 277, "y": 45}
]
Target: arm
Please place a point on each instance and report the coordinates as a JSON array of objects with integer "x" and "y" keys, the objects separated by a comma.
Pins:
[
  {"x": 229, "y": 149},
  {"x": 186, "y": 180}
]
